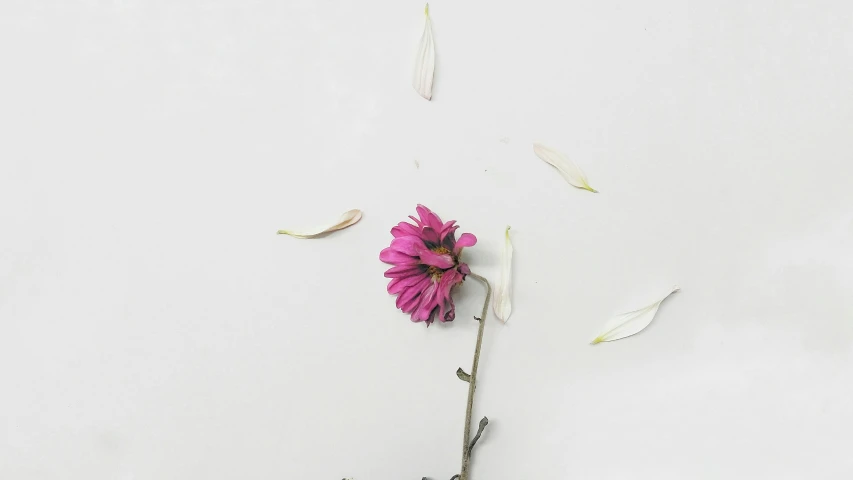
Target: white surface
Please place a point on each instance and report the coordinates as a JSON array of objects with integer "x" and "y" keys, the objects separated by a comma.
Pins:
[{"x": 155, "y": 327}]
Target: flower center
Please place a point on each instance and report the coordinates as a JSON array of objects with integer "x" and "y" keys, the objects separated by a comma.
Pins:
[{"x": 434, "y": 272}]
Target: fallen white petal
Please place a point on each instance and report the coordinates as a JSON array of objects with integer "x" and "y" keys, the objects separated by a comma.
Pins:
[
  {"x": 348, "y": 218},
  {"x": 425, "y": 60},
  {"x": 571, "y": 172},
  {"x": 503, "y": 302},
  {"x": 627, "y": 324}
]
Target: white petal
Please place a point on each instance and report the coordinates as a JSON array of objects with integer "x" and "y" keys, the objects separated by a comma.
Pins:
[
  {"x": 628, "y": 324},
  {"x": 571, "y": 172},
  {"x": 503, "y": 302},
  {"x": 348, "y": 218},
  {"x": 425, "y": 60}
]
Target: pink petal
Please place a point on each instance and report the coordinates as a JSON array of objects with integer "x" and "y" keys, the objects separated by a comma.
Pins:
[
  {"x": 431, "y": 316},
  {"x": 397, "y": 285},
  {"x": 451, "y": 311},
  {"x": 448, "y": 280},
  {"x": 409, "y": 245},
  {"x": 424, "y": 311},
  {"x": 408, "y": 303},
  {"x": 428, "y": 257},
  {"x": 419, "y": 316},
  {"x": 409, "y": 299},
  {"x": 447, "y": 234},
  {"x": 394, "y": 286},
  {"x": 423, "y": 212},
  {"x": 447, "y": 225},
  {"x": 465, "y": 240},
  {"x": 404, "y": 228},
  {"x": 404, "y": 271},
  {"x": 430, "y": 235},
  {"x": 429, "y": 218},
  {"x": 416, "y": 310},
  {"x": 446, "y": 309},
  {"x": 388, "y": 255}
]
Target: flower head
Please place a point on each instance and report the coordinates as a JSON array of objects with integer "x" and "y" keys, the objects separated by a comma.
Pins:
[{"x": 426, "y": 265}]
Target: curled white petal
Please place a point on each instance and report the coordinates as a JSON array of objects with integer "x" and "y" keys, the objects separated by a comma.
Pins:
[
  {"x": 425, "y": 60},
  {"x": 348, "y": 218},
  {"x": 503, "y": 303},
  {"x": 627, "y": 324},
  {"x": 571, "y": 172}
]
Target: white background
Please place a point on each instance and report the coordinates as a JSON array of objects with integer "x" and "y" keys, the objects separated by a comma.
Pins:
[{"x": 153, "y": 326}]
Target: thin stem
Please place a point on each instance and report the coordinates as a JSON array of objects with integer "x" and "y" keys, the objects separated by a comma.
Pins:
[{"x": 472, "y": 384}]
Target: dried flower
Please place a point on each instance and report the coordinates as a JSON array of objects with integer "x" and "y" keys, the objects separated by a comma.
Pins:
[{"x": 426, "y": 266}]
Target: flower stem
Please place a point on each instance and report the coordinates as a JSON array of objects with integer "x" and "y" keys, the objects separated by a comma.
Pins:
[{"x": 472, "y": 383}]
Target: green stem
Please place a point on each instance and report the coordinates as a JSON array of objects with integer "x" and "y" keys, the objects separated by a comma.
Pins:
[{"x": 472, "y": 383}]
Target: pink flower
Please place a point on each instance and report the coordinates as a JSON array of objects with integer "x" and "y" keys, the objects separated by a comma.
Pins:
[{"x": 426, "y": 266}]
